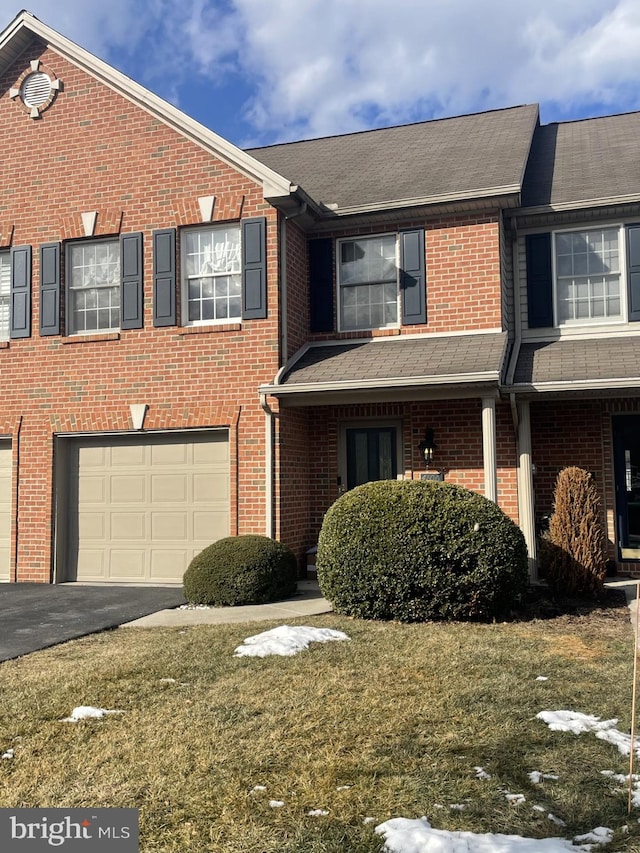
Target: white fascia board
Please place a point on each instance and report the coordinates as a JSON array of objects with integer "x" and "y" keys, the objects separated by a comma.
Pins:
[
  {"x": 379, "y": 384},
  {"x": 273, "y": 184},
  {"x": 580, "y": 204},
  {"x": 576, "y": 385},
  {"x": 442, "y": 198}
]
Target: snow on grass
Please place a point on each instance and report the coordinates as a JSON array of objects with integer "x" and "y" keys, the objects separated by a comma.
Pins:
[
  {"x": 87, "y": 712},
  {"x": 286, "y": 641},
  {"x": 537, "y": 776},
  {"x": 403, "y": 835},
  {"x": 481, "y": 773},
  {"x": 577, "y": 723}
]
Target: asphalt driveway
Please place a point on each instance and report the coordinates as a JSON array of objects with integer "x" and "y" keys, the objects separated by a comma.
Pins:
[{"x": 34, "y": 616}]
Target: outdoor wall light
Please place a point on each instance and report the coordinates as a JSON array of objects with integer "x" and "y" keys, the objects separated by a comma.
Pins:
[{"x": 427, "y": 445}]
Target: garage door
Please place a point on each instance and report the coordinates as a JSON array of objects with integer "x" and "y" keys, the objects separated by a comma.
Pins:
[
  {"x": 141, "y": 507},
  {"x": 5, "y": 509}
]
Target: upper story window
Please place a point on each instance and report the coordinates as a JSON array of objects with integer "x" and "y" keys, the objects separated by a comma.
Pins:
[
  {"x": 583, "y": 277},
  {"x": 93, "y": 281},
  {"x": 368, "y": 282},
  {"x": 211, "y": 275},
  {"x": 588, "y": 276},
  {"x": 5, "y": 294}
]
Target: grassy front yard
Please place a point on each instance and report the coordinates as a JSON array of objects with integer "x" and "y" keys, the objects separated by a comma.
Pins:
[{"x": 390, "y": 724}]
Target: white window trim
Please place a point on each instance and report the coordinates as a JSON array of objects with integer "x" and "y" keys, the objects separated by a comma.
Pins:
[
  {"x": 339, "y": 243},
  {"x": 6, "y": 333},
  {"x": 624, "y": 285},
  {"x": 184, "y": 280},
  {"x": 69, "y": 318}
]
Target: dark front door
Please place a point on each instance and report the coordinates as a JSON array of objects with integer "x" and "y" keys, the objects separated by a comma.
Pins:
[
  {"x": 371, "y": 455},
  {"x": 626, "y": 448}
]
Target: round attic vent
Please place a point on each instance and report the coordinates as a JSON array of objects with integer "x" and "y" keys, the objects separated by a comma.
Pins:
[{"x": 35, "y": 89}]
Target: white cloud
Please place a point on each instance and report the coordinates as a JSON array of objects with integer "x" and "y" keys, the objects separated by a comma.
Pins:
[{"x": 305, "y": 68}]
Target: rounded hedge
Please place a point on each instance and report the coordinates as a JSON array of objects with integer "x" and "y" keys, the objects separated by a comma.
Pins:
[
  {"x": 418, "y": 550},
  {"x": 241, "y": 570}
]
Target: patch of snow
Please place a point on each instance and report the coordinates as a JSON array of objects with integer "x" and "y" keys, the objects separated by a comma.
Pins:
[
  {"x": 457, "y": 807},
  {"x": 194, "y": 607},
  {"x": 373, "y": 820},
  {"x": 515, "y": 799},
  {"x": 317, "y": 813},
  {"x": 167, "y": 681},
  {"x": 276, "y": 804},
  {"x": 286, "y": 641},
  {"x": 599, "y": 835},
  {"x": 557, "y": 820},
  {"x": 542, "y": 678},
  {"x": 403, "y": 835},
  {"x": 10, "y": 753},
  {"x": 87, "y": 712},
  {"x": 538, "y": 808},
  {"x": 257, "y": 788},
  {"x": 577, "y": 723},
  {"x": 481, "y": 773},
  {"x": 343, "y": 787},
  {"x": 536, "y": 777}
]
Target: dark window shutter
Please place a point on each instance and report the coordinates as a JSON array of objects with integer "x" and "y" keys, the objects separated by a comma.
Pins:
[
  {"x": 413, "y": 279},
  {"x": 254, "y": 268},
  {"x": 50, "y": 289},
  {"x": 539, "y": 281},
  {"x": 20, "y": 325},
  {"x": 321, "y": 285},
  {"x": 633, "y": 270},
  {"x": 164, "y": 277},
  {"x": 131, "y": 281}
]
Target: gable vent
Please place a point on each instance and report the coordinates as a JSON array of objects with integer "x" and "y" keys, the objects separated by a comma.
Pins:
[{"x": 36, "y": 89}]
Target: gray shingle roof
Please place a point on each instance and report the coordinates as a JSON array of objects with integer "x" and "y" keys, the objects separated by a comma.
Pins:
[
  {"x": 462, "y": 157},
  {"x": 581, "y": 161},
  {"x": 419, "y": 360},
  {"x": 614, "y": 359}
]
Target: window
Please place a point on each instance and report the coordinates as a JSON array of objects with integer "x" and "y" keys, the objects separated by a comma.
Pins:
[
  {"x": 588, "y": 276},
  {"x": 368, "y": 282},
  {"x": 212, "y": 275},
  {"x": 5, "y": 294},
  {"x": 93, "y": 278}
]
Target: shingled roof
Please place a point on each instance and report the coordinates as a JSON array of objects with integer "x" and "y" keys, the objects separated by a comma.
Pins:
[
  {"x": 416, "y": 361},
  {"x": 472, "y": 156},
  {"x": 584, "y": 162},
  {"x": 573, "y": 364}
]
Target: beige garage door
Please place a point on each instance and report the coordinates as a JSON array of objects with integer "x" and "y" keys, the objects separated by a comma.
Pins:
[
  {"x": 140, "y": 508},
  {"x": 5, "y": 509}
]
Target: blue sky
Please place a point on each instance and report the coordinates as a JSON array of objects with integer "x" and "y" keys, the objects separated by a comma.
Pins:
[{"x": 265, "y": 71}]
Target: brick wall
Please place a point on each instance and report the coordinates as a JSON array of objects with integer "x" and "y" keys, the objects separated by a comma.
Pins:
[{"x": 93, "y": 150}]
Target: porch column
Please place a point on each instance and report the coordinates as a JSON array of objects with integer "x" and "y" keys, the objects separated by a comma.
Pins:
[
  {"x": 526, "y": 509},
  {"x": 489, "y": 448}
]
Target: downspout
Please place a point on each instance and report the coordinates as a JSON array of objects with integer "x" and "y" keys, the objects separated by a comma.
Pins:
[
  {"x": 522, "y": 425},
  {"x": 270, "y": 415}
]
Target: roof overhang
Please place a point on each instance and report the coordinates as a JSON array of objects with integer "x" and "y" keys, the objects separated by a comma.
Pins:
[
  {"x": 410, "y": 367},
  {"x": 16, "y": 37}
]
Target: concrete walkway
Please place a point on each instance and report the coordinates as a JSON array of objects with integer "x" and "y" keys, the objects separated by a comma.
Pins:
[
  {"x": 630, "y": 589},
  {"x": 308, "y": 601}
]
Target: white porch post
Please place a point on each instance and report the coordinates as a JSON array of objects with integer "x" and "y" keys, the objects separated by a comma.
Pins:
[
  {"x": 489, "y": 448},
  {"x": 526, "y": 510}
]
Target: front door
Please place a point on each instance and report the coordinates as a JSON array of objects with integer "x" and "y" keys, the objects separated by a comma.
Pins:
[
  {"x": 371, "y": 454},
  {"x": 626, "y": 448}
]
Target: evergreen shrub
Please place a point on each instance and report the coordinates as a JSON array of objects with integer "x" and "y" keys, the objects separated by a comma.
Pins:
[
  {"x": 573, "y": 553},
  {"x": 247, "y": 569},
  {"x": 414, "y": 551}
]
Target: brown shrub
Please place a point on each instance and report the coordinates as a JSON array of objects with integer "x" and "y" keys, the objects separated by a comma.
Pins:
[{"x": 574, "y": 552}]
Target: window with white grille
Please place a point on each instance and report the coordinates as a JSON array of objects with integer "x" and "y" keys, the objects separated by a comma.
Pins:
[
  {"x": 211, "y": 275},
  {"x": 93, "y": 279}
]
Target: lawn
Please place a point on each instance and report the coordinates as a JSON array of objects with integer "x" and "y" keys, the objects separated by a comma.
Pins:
[{"x": 392, "y": 723}]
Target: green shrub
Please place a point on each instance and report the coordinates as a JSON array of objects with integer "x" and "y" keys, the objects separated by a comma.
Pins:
[
  {"x": 241, "y": 570},
  {"x": 419, "y": 550},
  {"x": 573, "y": 555}
]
